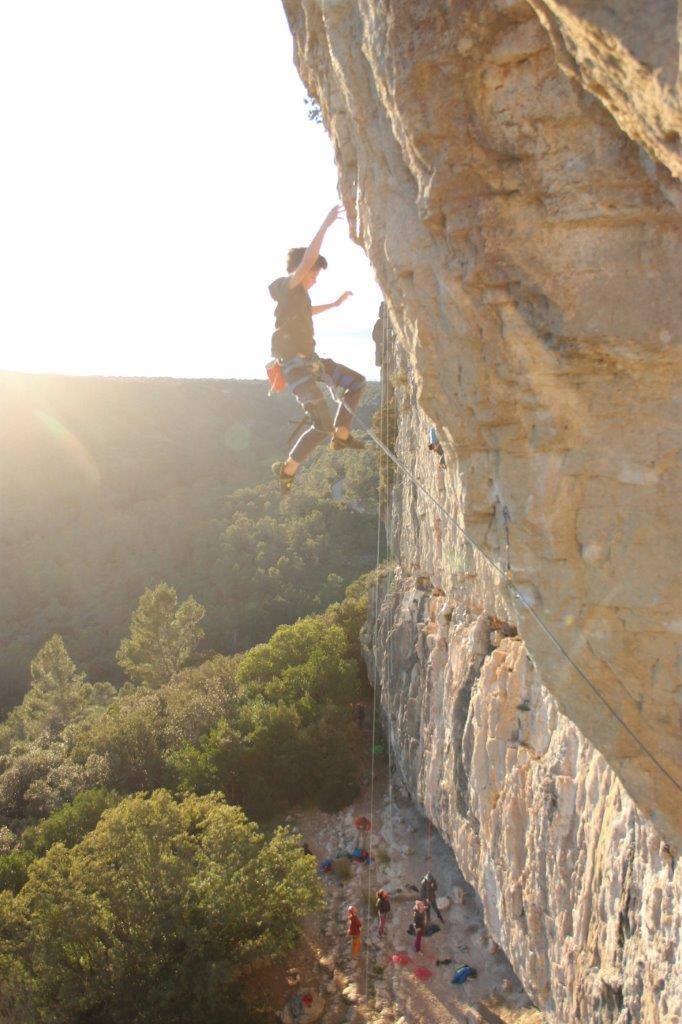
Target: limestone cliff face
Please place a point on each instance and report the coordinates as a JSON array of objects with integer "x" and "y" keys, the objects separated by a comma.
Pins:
[
  {"x": 626, "y": 54},
  {"x": 507, "y": 167},
  {"x": 577, "y": 886}
]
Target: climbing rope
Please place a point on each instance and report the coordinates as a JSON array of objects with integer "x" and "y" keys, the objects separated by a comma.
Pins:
[
  {"x": 375, "y": 692},
  {"x": 388, "y": 525},
  {"x": 384, "y": 433},
  {"x": 506, "y": 518},
  {"x": 519, "y": 597}
]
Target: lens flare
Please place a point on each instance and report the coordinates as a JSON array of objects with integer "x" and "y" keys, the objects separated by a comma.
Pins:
[{"x": 71, "y": 445}]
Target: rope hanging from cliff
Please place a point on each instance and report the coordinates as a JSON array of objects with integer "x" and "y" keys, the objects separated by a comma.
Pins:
[
  {"x": 514, "y": 591},
  {"x": 375, "y": 690},
  {"x": 388, "y": 520}
]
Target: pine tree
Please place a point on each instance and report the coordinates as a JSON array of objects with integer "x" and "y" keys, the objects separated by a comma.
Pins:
[
  {"x": 163, "y": 636},
  {"x": 58, "y": 695}
]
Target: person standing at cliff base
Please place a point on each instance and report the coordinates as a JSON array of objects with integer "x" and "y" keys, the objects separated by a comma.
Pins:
[
  {"x": 383, "y": 908},
  {"x": 293, "y": 347},
  {"x": 419, "y": 923},
  {"x": 428, "y": 893},
  {"x": 354, "y": 930}
]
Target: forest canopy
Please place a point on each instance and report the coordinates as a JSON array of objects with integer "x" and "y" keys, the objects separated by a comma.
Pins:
[
  {"x": 182, "y": 653},
  {"x": 134, "y": 884},
  {"x": 112, "y": 485},
  {"x": 151, "y": 915}
]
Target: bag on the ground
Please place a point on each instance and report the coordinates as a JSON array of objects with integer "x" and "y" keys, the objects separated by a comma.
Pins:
[{"x": 463, "y": 973}]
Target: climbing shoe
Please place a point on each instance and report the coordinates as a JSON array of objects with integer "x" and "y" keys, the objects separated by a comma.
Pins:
[
  {"x": 337, "y": 445},
  {"x": 285, "y": 480}
]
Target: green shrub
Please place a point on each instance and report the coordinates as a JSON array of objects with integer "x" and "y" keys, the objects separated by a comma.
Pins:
[
  {"x": 70, "y": 823},
  {"x": 152, "y": 915},
  {"x": 14, "y": 869}
]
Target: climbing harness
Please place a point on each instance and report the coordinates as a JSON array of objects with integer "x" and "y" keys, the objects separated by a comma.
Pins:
[
  {"x": 515, "y": 592},
  {"x": 304, "y": 375}
]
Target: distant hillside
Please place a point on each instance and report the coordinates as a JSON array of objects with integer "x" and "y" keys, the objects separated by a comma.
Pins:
[{"x": 111, "y": 485}]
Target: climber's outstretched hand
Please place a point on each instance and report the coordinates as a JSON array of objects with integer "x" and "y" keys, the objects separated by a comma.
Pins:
[
  {"x": 342, "y": 298},
  {"x": 334, "y": 214},
  {"x": 313, "y": 250}
]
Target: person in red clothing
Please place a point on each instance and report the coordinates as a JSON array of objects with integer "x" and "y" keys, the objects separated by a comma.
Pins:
[
  {"x": 419, "y": 922},
  {"x": 354, "y": 930},
  {"x": 363, "y": 827}
]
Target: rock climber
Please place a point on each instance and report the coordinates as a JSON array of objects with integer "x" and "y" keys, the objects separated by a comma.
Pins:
[
  {"x": 293, "y": 347},
  {"x": 419, "y": 924},
  {"x": 383, "y": 908},
  {"x": 428, "y": 893},
  {"x": 436, "y": 446},
  {"x": 354, "y": 930}
]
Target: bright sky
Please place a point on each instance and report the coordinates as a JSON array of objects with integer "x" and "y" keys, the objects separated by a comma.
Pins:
[{"x": 157, "y": 164}]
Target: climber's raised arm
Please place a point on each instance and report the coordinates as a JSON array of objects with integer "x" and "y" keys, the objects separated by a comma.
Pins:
[
  {"x": 313, "y": 250},
  {"x": 330, "y": 305}
]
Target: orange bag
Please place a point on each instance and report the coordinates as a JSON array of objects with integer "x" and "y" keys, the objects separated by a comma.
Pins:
[{"x": 275, "y": 376}]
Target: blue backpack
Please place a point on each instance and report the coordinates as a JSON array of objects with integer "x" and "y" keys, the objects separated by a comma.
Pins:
[{"x": 463, "y": 973}]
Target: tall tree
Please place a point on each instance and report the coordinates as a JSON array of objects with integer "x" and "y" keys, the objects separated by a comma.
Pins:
[
  {"x": 59, "y": 696},
  {"x": 163, "y": 636},
  {"x": 151, "y": 916}
]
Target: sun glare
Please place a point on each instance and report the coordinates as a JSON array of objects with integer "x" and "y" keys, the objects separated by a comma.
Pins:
[{"x": 156, "y": 171}]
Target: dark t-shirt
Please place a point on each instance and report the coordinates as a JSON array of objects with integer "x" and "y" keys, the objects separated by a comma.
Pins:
[
  {"x": 293, "y": 320},
  {"x": 383, "y": 905},
  {"x": 419, "y": 919},
  {"x": 428, "y": 890}
]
